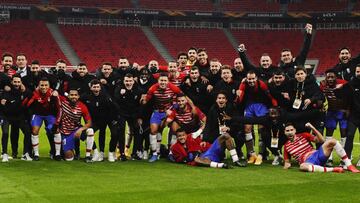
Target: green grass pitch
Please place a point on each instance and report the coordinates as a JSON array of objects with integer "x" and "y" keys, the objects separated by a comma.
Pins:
[{"x": 140, "y": 181}]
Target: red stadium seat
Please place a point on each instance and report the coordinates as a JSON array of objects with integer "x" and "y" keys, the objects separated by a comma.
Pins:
[
  {"x": 97, "y": 44},
  {"x": 32, "y": 38},
  {"x": 200, "y": 5},
  {"x": 318, "y": 6},
  {"x": 213, "y": 40},
  {"x": 250, "y": 6}
]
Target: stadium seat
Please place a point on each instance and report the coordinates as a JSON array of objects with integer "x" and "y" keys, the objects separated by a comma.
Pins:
[
  {"x": 200, "y": 5},
  {"x": 213, "y": 40},
  {"x": 318, "y": 6},
  {"x": 97, "y": 44},
  {"x": 31, "y": 38},
  {"x": 250, "y": 6},
  {"x": 93, "y": 3}
]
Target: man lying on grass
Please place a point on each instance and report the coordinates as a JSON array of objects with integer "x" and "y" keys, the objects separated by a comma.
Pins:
[
  {"x": 311, "y": 160},
  {"x": 193, "y": 151}
]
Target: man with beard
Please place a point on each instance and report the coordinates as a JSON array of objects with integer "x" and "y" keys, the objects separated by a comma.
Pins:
[
  {"x": 202, "y": 62},
  {"x": 17, "y": 116},
  {"x": 186, "y": 116},
  {"x": 127, "y": 97},
  {"x": 146, "y": 80},
  {"x": 213, "y": 75},
  {"x": 338, "y": 109},
  {"x": 310, "y": 160},
  {"x": 44, "y": 105},
  {"x": 346, "y": 67},
  {"x": 103, "y": 112},
  {"x": 36, "y": 74},
  {"x": 197, "y": 91},
  {"x": 153, "y": 67},
  {"x": 238, "y": 70},
  {"x": 62, "y": 79},
  {"x": 288, "y": 62},
  {"x": 124, "y": 68},
  {"x": 264, "y": 71},
  {"x": 353, "y": 92},
  {"x": 7, "y": 64},
  {"x": 192, "y": 56},
  {"x": 256, "y": 97},
  {"x": 163, "y": 95},
  {"x": 5, "y": 83},
  {"x": 68, "y": 123},
  {"x": 108, "y": 77},
  {"x": 278, "y": 88},
  {"x": 80, "y": 81},
  {"x": 81, "y": 78}
]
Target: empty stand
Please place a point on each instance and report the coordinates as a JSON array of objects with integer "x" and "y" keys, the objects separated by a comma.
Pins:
[
  {"x": 318, "y": 5},
  {"x": 258, "y": 42},
  {"x": 213, "y": 40},
  {"x": 93, "y": 3},
  {"x": 250, "y": 6},
  {"x": 327, "y": 44},
  {"x": 32, "y": 38},
  {"x": 97, "y": 44},
  {"x": 201, "y": 5}
]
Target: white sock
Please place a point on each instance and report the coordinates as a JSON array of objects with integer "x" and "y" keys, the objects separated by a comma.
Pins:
[
  {"x": 158, "y": 142},
  {"x": 153, "y": 143},
  {"x": 342, "y": 141},
  {"x": 35, "y": 144},
  {"x": 216, "y": 164},
  {"x": 316, "y": 168},
  {"x": 89, "y": 144},
  {"x": 329, "y": 138},
  {"x": 57, "y": 141},
  {"x": 342, "y": 154},
  {"x": 234, "y": 155}
]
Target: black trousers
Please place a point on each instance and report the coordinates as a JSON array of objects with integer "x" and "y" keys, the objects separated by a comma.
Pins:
[
  {"x": 5, "y": 135},
  {"x": 24, "y": 126},
  {"x": 133, "y": 129}
]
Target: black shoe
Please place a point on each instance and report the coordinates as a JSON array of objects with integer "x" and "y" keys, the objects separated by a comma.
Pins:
[
  {"x": 123, "y": 157},
  {"x": 57, "y": 158},
  {"x": 241, "y": 163},
  {"x": 14, "y": 155},
  {"x": 88, "y": 159},
  {"x": 227, "y": 166},
  {"x": 135, "y": 157},
  {"x": 77, "y": 157},
  {"x": 36, "y": 158}
]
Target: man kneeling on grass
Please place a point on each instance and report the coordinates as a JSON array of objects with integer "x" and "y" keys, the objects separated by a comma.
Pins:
[
  {"x": 193, "y": 151},
  {"x": 311, "y": 160}
]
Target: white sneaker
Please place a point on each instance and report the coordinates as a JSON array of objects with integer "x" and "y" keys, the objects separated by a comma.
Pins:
[
  {"x": 26, "y": 157},
  {"x": 96, "y": 156},
  {"x": 5, "y": 158},
  {"x": 145, "y": 155},
  {"x": 276, "y": 161},
  {"x": 140, "y": 154},
  {"x": 358, "y": 163},
  {"x": 101, "y": 156},
  {"x": 111, "y": 157}
]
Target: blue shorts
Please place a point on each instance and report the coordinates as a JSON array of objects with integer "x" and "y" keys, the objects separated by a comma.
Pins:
[
  {"x": 214, "y": 153},
  {"x": 255, "y": 110},
  {"x": 68, "y": 141},
  {"x": 157, "y": 117},
  {"x": 333, "y": 117},
  {"x": 37, "y": 120},
  {"x": 317, "y": 158}
]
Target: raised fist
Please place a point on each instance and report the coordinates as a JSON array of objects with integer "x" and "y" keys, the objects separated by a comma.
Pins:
[{"x": 241, "y": 48}]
